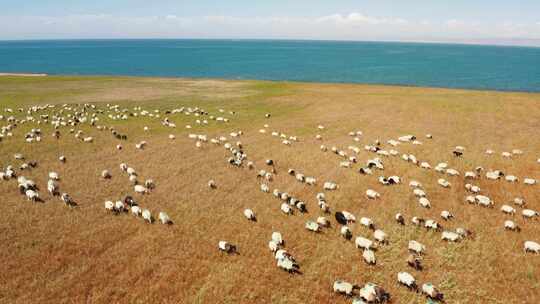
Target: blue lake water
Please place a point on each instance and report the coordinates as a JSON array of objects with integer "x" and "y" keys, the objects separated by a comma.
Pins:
[{"x": 431, "y": 65}]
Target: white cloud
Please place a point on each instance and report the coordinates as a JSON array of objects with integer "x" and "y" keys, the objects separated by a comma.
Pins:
[
  {"x": 358, "y": 18},
  {"x": 452, "y": 23},
  {"x": 352, "y": 26}
]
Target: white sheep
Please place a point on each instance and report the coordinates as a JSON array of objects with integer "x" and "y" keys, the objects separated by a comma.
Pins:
[
  {"x": 419, "y": 192},
  {"x": 372, "y": 293},
  {"x": 362, "y": 242},
  {"x": 141, "y": 145},
  {"x": 508, "y": 209},
  {"x": 365, "y": 171},
  {"x": 52, "y": 187},
  {"x": 140, "y": 189},
  {"x": 394, "y": 180},
  {"x": 431, "y": 292},
  {"x": 372, "y": 194},
  {"x": 369, "y": 257},
  {"x": 406, "y": 279},
  {"x": 494, "y": 175},
  {"x": 450, "y": 236},
  {"x": 109, "y": 206},
  {"x": 301, "y": 206},
  {"x": 283, "y": 254},
  {"x": 417, "y": 221},
  {"x": 519, "y": 201},
  {"x": 130, "y": 171},
  {"x": 380, "y": 236},
  {"x": 311, "y": 180},
  {"x": 288, "y": 265},
  {"x": 273, "y": 246},
  {"x": 119, "y": 206},
  {"x": 343, "y": 287},
  {"x": 470, "y": 199},
  {"x": 530, "y": 246},
  {"x": 510, "y": 225},
  {"x": 346, "y": 232},
  {"x": 441, "y": 167},
  {"x": 416, "y": 247},
  {"x": 424, "y": 202},
  {"x": 366, "y": 221},
  {"x": 164, "y": 218},
  {"x": 407, "y": 138},
  {"x": 54, "y": 176},
  {"x": 443, "y": 183},
  {"x": 136, "y": 210},
  {"x": 446, "y": 215},
  {"x": 312, "y": 226},
  {"x": 483, "y": 200},
  {"x": 529, "y": 181},
  {"x": 106, "y": 174},
  {"x": 463, "y": 232},
  {"x": 323, "y": 222},
  {"x": 149, "y": 184},
  {"x": 452, "y": 172},
  {"x": 471, "y": 175},
  {"x": 472, "y": 188},
  {"x": 250, "y": 215},
  {"x": 528, "y": 213},
  {"x": 511, "y": 178},
  {"x": 330, "y": 186},
  {"x": 345, "y": 164},
  {"x": 400, "y": 219},
  {"x": 277, "y": 237},
  {"x": 32, "y": 195},
  {"x": 147, "y": 216},
  {"x": 68, "y": 201},
  {"x": 349, "y": 217},
  {"x": 431, "y": 224},
  {"x": 285, "y": 208},
  {"x": 226, "y": 247},
  {"x": 425, "y": 165}
]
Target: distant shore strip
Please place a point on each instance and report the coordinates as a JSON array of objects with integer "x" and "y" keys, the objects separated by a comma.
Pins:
[{"x": 24, "y": 74}]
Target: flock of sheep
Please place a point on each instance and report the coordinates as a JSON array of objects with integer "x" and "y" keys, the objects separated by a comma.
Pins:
[
  {"x": 371, "y": 292},
  {"x": 66, "y": 120}
]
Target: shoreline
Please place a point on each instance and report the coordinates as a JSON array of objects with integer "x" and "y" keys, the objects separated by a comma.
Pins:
[
  {"x": 394, "y": 85},
  {"x": 533, "y": 43},
  {"x": 25, "y": 74}
]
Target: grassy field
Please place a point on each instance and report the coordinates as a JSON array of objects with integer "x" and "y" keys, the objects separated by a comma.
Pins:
[{"x": 53, "y": 254}]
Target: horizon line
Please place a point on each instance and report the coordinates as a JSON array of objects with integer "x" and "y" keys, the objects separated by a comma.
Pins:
[{"x": 473, "y": 42}]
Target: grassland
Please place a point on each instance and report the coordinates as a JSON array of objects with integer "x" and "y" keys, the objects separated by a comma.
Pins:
[{"x": 53, "y": 254}]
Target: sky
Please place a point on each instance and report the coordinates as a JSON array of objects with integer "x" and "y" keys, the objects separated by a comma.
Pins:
[{"x": 462, "y": 21}]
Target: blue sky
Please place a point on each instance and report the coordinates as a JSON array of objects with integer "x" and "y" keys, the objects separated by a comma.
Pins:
[{"x": 495, "y": 21}]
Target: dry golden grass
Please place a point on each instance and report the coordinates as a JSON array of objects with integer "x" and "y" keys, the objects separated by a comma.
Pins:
[{"x": 53, "y": 254}]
